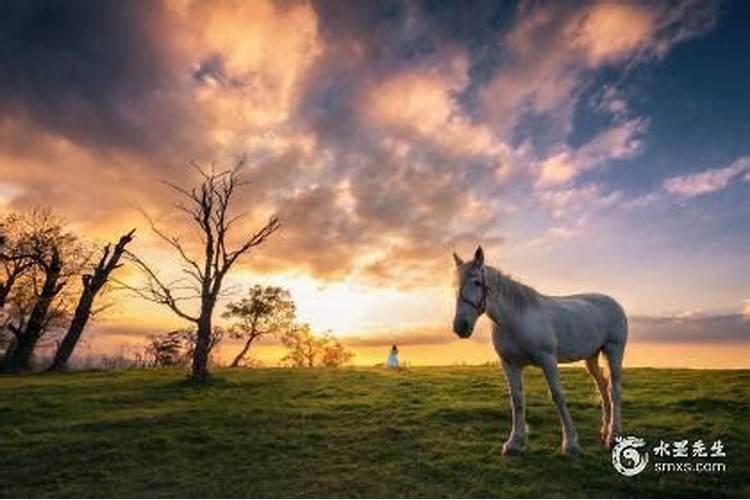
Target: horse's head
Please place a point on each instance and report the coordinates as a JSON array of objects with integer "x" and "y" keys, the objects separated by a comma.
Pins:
[{"x": 471, "y": 293}]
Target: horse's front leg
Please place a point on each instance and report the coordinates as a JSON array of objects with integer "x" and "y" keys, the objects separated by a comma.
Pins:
[
  {"x": 570, "y": 436},
  {"x": 517, "y": 440}
]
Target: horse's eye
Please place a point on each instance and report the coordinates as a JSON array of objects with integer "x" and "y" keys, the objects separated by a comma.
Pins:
[{"x": 477, "y": 283}]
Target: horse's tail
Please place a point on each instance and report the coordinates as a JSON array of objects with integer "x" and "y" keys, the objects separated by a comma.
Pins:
[{"x": 619, "y": 325}]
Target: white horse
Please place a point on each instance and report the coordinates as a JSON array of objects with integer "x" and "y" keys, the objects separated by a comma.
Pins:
[{"x": 529, "y": 328}]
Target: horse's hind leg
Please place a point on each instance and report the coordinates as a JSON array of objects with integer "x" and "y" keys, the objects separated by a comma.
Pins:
[
  {"x": 592, "y": 366},
  {"x": 614, "y": 352}
]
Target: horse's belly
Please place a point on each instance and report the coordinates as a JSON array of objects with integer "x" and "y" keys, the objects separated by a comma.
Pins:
[{"x": 579, "y": 343}]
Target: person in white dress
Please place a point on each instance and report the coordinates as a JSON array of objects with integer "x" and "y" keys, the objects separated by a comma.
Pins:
[{"x": 393, "y": 357}]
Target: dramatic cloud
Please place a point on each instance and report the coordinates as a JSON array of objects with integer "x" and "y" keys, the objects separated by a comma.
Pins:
[
  {"x": 96, "y": 74},
  {"x": 384, "y": 134},
  {"x": 553, "y": 46},
  {"x": 360, "y": 121}
]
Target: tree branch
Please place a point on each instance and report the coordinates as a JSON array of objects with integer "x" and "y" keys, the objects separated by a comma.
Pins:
[{"x": 157, "y": 291}]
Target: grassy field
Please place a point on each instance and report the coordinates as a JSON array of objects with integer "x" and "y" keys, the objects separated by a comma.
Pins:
[{"x": 424, "y": 432}]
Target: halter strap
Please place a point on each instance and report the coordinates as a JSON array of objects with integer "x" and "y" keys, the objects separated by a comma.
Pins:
[{"x": 480, "y": 306}]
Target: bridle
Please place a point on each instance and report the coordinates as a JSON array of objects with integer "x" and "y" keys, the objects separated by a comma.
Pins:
[{"x": 480, "y": 306}]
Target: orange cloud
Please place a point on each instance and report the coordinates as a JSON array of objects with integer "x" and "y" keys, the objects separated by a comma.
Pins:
[
  {"x": 607, "y": 32},
  {"x": 250, "y": 60}
]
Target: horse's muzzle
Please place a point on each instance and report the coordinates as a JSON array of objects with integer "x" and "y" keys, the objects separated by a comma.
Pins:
[{"x": 462, "y": 328}]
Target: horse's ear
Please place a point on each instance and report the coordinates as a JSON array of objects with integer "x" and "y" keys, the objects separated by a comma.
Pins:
[
  {"x": 479, "y": 256},
  {"x": 457, "y": 259}
]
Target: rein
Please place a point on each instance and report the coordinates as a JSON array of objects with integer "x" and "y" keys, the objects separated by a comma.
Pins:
[{"x": 480, "y": 306}]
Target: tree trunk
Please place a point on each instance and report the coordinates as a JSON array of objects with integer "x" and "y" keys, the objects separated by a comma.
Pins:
[
  {"x": 242, "y": 353},
  {"x": 69, "y": 342},
  {"x": 21, "y": 357},
  {"x": 91, "y": 287},
  {"x": 4, "y": 291},
  {"x": 202, "y": 346},
  {"x": 252, "y": 335},
  {"x": 8, "y": 355},
  {"x": 236, "y": 362}
]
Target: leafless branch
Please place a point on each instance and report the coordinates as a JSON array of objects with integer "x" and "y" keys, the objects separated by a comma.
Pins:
[{"x": 156, "y": 290}]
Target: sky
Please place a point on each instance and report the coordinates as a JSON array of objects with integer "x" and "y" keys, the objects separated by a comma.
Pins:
[{"x": 588, "y": 146}]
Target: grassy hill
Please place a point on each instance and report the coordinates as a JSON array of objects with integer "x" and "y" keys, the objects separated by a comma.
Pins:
[{"x": 425, "y": 432}]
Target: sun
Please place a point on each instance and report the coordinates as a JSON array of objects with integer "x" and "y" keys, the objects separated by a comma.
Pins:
[{"x": 350, "y": 308}]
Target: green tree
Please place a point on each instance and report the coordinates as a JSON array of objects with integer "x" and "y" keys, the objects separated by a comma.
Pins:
[
  {"x": 266, "y": 310},
  {"x": 302, "y": 345},
  {"x": 305, "y": 349},
  {"x": 175, "y": 348},
  {"x": 334, "y": 353}
]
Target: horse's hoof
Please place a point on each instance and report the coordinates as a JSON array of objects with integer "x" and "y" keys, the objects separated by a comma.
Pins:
[
  {"x": 610, "y": 441},
  {"x": 571, "y": 450},
  {"x": 512, "y": 449}
]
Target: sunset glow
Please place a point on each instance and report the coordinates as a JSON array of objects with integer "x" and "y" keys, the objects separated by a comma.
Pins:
[{"x": 594, "y": 146}]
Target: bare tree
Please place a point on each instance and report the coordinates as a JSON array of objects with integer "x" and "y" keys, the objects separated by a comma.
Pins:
[
  {"x": 207, "y": 206},
  {"x": 266, "y": 310},
  {"x": 92, "y": 284}
]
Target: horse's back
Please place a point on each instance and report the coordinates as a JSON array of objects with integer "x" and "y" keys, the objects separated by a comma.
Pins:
[{"x": 584, "y": 323}]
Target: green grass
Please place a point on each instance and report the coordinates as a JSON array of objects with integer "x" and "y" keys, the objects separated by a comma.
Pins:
[{"x": 424, "y": 432}]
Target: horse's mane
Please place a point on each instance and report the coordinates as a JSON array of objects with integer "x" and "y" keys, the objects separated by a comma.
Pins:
[{"x": 518, "y": 295}]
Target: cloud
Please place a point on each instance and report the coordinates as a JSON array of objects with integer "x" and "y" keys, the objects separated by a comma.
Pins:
[
  {"x": 616, "y": 143},
  {"x": 381, "y": 132},
  {"x": 608, "y": 32},
  {"x": 95, "y": 191},
  {"x": 708, "y": 181},
  {"x": 421, "y": 106},
  {"x": 404, "y": 337},
  {"x": 690, "y": 328},
  {"x": 573, "y": 199},
  {"x": 683, "y": 187},
  {"x": 554, "y": 46},
  {"x": 95, "y": 74}
]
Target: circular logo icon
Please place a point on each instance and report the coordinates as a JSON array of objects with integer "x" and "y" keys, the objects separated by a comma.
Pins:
[{"x": 626, "y": 458}]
